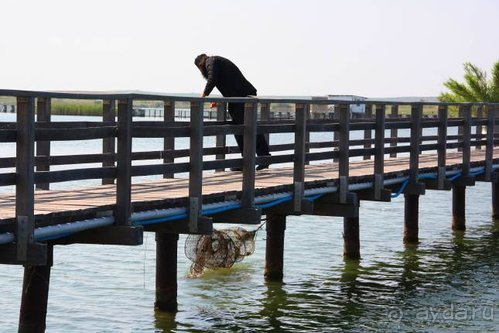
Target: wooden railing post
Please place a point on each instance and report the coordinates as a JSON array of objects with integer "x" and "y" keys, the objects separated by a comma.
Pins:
[
  {"x": 479, "y": 128},
  {"x": 124, "y": 163},
  {"x": 250, "y": 128},
  {"x": 196, "y": 166},
  {"x": 307, "y": 134},
  {"x": 394, "y": 131},
  {"x": 496, "y": 126},
  {"x": 336, "y": 117},
  {"x": 221, "y": 140},
  {"x": 168, "y": 142},
  {"x": 466, "y": 114},
  {"x": 368, "y": 132},
  {"x": 460, "y": 128},
  {"x": 489, "y": 148},
  {"x": 489, "y": 159},
  {"x": 416, "y": 112},
  {"x": 43, "y": 115},
  {"x": 108, "y": 144},
  {"x": 265, "y": 116},
  {"x": 344, "y": 160},
  {"x": 35, "y": 286},
  {"x": 442, "y": 145},
  {"x": 299, "y": 163},
  {"x": 379, "y": 157},
  {"x": 25, "y": 167}
]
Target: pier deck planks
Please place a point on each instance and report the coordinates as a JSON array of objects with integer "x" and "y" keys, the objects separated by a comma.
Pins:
[{"x": 221, "y": 184}]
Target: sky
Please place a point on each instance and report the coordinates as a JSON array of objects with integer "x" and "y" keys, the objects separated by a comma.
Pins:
[{"x": 373, "y": 48}]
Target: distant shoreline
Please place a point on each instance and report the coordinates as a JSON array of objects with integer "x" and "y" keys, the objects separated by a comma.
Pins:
[{"x": 154, "y": 108}]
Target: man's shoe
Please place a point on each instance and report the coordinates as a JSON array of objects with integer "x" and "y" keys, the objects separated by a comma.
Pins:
[
  {"x": 236, "y": 169},
  {"x": 262, "y": 166}
]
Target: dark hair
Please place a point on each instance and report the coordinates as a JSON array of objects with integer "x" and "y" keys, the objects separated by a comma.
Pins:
[
  {"x": 199, "y": 62},
  {"x": 200, "y": 59}
]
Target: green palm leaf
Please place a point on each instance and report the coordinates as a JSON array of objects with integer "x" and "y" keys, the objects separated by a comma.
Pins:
[
  {"x": 475, "y": 88},
  {"x": 494, "y": 89},
  {"x": 476, "y": 80}
]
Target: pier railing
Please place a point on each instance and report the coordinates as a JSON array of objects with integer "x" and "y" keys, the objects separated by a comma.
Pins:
[{"x": 386, "y": 129}]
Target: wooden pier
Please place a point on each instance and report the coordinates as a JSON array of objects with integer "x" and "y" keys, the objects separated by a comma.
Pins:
[{"x": 374, "y": 157}]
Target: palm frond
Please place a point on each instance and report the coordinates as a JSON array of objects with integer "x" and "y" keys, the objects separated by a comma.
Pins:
[
  {"x": 475, "y": 88},
  {"x": 451, "y": 98},
  {"x": 461, "y": 90},
  {"x": 494, "y": 84},
  {"x": 476, "y": 80}
]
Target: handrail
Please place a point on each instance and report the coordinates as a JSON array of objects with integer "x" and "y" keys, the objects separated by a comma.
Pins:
[{"x": 141, "y": 95}]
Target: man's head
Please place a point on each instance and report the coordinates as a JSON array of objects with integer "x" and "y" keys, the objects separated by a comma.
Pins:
[
  {"x": 200, "y": 64},
  {"x": 200, "y": 59}
]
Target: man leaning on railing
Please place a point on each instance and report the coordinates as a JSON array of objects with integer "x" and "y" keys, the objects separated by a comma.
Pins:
[{"x": 223, "y": 74}]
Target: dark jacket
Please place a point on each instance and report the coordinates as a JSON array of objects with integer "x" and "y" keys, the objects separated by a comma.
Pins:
[{"x": 224, "y": 74}]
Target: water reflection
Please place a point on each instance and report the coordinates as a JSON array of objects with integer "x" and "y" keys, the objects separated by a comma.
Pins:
[
  {"x": 410, "y": 277},
  {"x": 495, "y": 228},
  {"x": 350, "y": 290},
  {"x": 165, "y": 321},
  {"x": 274, "y": 303},
  {"x": 351, "y": 271}
]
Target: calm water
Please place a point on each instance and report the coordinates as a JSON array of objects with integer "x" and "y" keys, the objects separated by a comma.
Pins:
[{"x": 448, "y": 283}]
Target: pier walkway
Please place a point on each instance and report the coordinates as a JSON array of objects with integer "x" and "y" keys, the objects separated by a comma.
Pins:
[
  {"x": 395, "y": 148},
  {"x": 168, "y": 193}
]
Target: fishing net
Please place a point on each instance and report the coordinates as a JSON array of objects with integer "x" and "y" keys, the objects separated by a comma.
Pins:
[{"x": 221, "y": 249}]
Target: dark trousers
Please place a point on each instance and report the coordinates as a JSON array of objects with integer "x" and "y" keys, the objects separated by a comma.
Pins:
[{"x": 236, "y": 111}]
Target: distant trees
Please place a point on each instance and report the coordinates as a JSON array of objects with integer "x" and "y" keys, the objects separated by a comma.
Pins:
[{"x": 476, "y": 86}]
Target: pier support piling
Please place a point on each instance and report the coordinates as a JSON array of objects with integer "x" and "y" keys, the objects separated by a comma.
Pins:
[
  {"x": 458, "y": 207},
  {"x": 35, "y": 293},
  {"x": 495, "y": 200},
  {"x": 411, "y": 219},
  {"x": 351, "y": 245},
  {"x": 166, "y": 272},
  {"x": 274, "y": 254}
]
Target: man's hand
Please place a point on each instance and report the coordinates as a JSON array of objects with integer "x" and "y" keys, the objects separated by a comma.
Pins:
[{"x": 212, "y": 104}]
